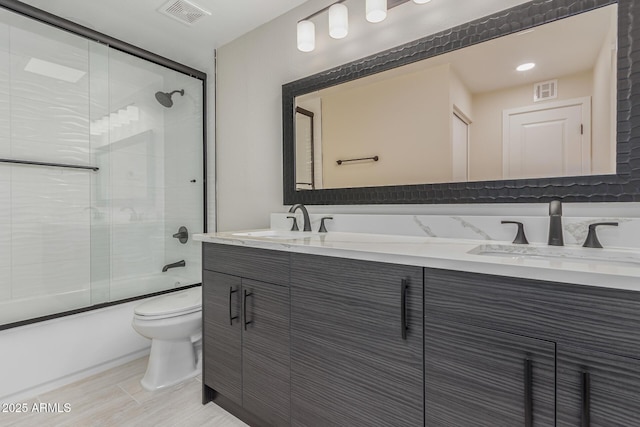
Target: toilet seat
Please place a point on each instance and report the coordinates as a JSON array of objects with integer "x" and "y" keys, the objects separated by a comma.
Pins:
[{"x": 171, "y": 305}]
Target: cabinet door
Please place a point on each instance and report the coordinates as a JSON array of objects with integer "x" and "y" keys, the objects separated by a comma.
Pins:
[
  {"x": 222, "y": 334},
  {"x": 350, "y": 364},
  {"x": 597, "y": 389},
  {"x": 478, "y": 377},
  {"x": 265, "y": 352}
]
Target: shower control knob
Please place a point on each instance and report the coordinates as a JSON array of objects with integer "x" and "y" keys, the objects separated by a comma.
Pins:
[{"x": 182, "y": 235}]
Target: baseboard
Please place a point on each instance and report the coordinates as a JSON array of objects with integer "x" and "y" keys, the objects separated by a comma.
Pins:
[{"x": 32, "y": 392}]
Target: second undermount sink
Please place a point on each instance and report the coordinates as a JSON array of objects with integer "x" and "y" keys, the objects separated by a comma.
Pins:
[{"x": 563, "y": 253}]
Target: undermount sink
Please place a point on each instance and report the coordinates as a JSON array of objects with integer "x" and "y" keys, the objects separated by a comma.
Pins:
[
  {"x": 563, "y": 253},
  {"x": 270, "y": 234}
]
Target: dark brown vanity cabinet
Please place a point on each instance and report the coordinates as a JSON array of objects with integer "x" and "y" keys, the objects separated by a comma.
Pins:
[
  {"x": 356, "y": 343},
  {"x": 582, "y": 340},
  {"x": 246, "y": 331}
]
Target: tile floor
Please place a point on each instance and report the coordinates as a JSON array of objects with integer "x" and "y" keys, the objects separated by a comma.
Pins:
[{"x": 115, "y": 398}]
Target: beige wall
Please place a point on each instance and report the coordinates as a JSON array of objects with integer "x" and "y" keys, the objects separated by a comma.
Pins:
[
  {"x": 485, "y": 147},
  {"x": 404, "y": 121},
  {"x": 461, "y": 98}
]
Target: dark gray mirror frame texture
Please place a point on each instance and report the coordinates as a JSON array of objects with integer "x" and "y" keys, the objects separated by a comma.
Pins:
[{"x": 622, "y": 187}]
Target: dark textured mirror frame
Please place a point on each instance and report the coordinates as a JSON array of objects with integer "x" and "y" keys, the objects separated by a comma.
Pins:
[{"x": 622, "y": 187}]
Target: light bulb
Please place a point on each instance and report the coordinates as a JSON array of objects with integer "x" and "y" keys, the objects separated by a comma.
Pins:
[
  {"x": 306, "y": 36},
  {"x": 338, "y": 21},
  {"x": 421, "y": 1},
  {"x": 376, "y": 10}
]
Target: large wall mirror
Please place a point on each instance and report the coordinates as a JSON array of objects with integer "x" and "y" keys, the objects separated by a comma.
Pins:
[{"x": 529, "y": 104}]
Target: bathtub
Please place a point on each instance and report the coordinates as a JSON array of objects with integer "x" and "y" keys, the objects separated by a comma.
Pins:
[{"x": 16, "y": 310}]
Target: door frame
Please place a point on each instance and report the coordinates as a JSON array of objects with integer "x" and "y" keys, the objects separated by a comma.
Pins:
[
  {"x": 585, "y": 102},
  {"x": 458, "y": 113}
]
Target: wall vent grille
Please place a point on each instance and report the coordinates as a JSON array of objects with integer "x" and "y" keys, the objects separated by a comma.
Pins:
[
  {"x": 545, "y": 90},
  {"x": 184, "y": 11}
]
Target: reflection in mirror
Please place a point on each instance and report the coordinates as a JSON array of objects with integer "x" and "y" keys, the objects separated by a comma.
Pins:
[
  {"x": 470, "y": 115},
  {"x": 304, "y": 150}
]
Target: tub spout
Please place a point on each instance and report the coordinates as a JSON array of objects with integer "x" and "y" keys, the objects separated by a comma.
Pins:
[{"x": 173, "y": 265}]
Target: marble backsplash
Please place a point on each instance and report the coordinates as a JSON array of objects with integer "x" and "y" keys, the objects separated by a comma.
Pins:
[{"x": 626, "y": 235}]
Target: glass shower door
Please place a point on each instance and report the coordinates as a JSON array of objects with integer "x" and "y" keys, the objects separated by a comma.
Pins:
[
  {"x": 45, "y": 108},
  {"x": 73, "y": 237}
]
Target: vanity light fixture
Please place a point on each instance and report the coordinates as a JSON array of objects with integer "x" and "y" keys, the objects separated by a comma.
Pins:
[
  {"x": 306, "y": 36},
  {"x": 376, "y": 10},
  {"x": 526, "y": 67},
  {"x": 338, "y": 21}
]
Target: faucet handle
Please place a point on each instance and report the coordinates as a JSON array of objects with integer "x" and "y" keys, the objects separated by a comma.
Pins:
[
  {"x": 592, "y": 238},
  {"x": 182, "y": 235},
  {"x": 294, "y": 226},
  {"x": 323, "y": 229},
  {"x": 520, "y": 239}
]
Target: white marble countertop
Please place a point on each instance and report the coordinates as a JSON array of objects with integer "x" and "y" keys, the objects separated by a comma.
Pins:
[{"x": 609, "y": 268}]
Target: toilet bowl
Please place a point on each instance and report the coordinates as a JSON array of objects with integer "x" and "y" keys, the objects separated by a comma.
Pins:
[{"x": 173, "y": 322}]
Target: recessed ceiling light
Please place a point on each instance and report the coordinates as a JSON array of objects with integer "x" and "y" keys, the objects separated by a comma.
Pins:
[
  {"x": 526, "y": 67},
  {"x": 53, "y": 70}
]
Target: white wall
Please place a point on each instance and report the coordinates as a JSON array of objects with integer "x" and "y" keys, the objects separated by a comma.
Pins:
[{"x": 252, "y": 70}]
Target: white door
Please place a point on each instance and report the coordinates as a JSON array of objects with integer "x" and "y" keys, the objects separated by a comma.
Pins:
[
  {"x": 550, "y": 140},
  {"x": 460, "y": 147}
]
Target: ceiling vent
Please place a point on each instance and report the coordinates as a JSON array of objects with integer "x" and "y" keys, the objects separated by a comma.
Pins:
[
  {"x": 545, "y": 90},
  {"x": 183, "y": 11}
]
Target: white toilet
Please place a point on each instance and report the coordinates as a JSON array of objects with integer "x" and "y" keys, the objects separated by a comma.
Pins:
[{"x": 173, "y": 322}]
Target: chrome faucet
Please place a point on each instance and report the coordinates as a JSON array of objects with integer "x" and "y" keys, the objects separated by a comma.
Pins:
[
  {"x": 305, "y": 214},
  {"x": 555, "y": 223}
]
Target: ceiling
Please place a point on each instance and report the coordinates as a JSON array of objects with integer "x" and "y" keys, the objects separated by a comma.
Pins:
[{"x": 139, "y": 23}]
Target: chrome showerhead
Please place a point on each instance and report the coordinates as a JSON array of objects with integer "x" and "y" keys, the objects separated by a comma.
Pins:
[{"x": 164, "y": 98}]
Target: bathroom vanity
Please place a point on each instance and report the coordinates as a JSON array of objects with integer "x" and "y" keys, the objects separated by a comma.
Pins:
[
  {"x": 357, "y": 329},
  {"x": 361, "y": 330}
]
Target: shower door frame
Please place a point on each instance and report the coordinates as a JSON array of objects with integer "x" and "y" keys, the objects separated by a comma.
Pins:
[{"x": 96, "y": 36}]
